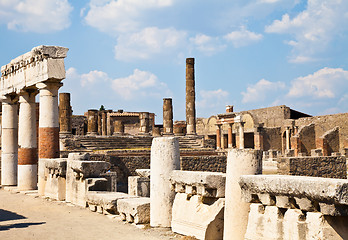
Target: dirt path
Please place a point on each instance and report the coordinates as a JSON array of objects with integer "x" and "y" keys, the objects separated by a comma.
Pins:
[{"x": 31, "y": 217}]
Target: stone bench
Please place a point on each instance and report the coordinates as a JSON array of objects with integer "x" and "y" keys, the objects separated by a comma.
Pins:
[{"x": 135, "y": 210}]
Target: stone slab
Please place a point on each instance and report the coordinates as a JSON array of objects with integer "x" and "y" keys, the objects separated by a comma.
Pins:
[{"x": 135, "y": 210}]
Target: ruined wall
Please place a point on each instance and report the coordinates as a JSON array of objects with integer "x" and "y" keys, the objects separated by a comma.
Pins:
[
  {"x": 272, "y": 139},
  {"x": 204, "y": 163},
  {"x": 326, "y": 123},
  {"x": 307, "y": 137},
  {"x": 79, "y": 125},
  {"x": 329, "y": 167},
  {"x": 332, "y": 140}
]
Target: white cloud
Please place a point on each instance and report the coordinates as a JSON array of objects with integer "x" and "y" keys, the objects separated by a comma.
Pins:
[
  {"x": 212, "y": 99},
  {"x": 325, "y": 83},
  {"x": 140, "y": 83},
  {"x": 148, "y": 43},
  {"x": 262, "y": 90},
  {"x": 243, "y": 37},
  {"x": 313, "y": 29},
  {"x": 207, "y": 45},
  {"x": 121, "y": 16},
  {"x": 87, "y": 79},
  {"x": 40, "y": 16}
]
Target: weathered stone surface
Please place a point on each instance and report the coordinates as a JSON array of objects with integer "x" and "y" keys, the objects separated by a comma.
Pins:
[
  {"x": 106, "y": 200},
  {"x": 205, "y": 183},
  {"x": 192, "y": 217},
  {"x": 139, "y": 186},
  {"x": 143, "y": 172},
  {"x": 78, "y": 156},
  {"x": 88, "y": 169},
  {"x": 135, "y": 210},
  {"x": 326, "y": 190}
]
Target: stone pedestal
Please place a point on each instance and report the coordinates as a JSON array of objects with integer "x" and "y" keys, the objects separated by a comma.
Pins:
[
  {"x": 190, "y": 97},
  {"x": 239, "y": 162},
  {"x": 9, "y": 143},
  {"x": 167, "y": 116},
  {"x": 165, "y": 157},
  {"x": 27, "y": 141},
  {"x": 49, "y": 120},
  {"x": 92, "y": 124}
]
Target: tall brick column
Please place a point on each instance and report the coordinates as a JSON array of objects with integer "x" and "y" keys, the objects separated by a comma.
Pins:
[
  {"x": 49, "y": 120},
  {"x": 9, "y": 143},
  {"x": 167, "y": 116},
  {"x": 27, "y": 141},
  {"x": 65, "y": 114},
  {"x": 218, "y": 136},
  {"x": 92, "y": 124},
  {"x": 190, "y": 97}
]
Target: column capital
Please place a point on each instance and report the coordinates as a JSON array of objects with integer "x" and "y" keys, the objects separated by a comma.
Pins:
[
  {"x": 49, "y": 85},
  {"x": 25, "y": 95},
  {"x": 9, "y": 99}
]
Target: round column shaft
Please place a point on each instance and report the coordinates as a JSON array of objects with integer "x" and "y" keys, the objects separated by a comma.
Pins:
[
  {"x": 27, "y": 141},
  {"x": 92, "y": 125},
  {"x": 167, "y": 116},
  {"x": 64, "y": 113},
  {"x": 190, "y": 97},
  {"x": 9, "y": 143},
  {"x": 49, "y": 120},
  {"x": 165, "y": 157}
]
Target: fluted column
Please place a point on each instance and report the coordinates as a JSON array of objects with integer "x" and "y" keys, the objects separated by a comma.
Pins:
[
  {"x": 27, "y": 141},
  {"x": 190, "y": 97},
  {"x": 49, "y": 120},
  {"x": 9, "y": 143}
]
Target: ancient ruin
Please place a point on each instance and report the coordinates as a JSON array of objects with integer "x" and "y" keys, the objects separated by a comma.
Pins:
[{"x": 270, "y": 173}]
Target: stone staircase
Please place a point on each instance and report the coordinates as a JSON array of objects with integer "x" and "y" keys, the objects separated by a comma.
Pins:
[{"x": 131, "y": 142}]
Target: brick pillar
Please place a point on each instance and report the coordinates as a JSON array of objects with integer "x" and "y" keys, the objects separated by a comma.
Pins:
[
  {"x": 296, "y": 145},
  {"x": 144, "y": 123},
  {"x": 190, "y": 97},
  {"x": 65, "y": 114},
  {"x": 218, "y": 136},
  {"x": 9, "y": 143},
  {"x": 167, "y": 116},
  {"x": 27, "y": 141},
  {"x": 241, "y": 135},
  {"x": 230, "y": 135},
  {"x": 92, "y": 124},
  {"x": 258, "y": 139},
  {"x": 321, "y": 143},
  {"x": 287, "y": 138},
  {"x": 118, "y": 127},
  {"x": 49, "y": 120}
]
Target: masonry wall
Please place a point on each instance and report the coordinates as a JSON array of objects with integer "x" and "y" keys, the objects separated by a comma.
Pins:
[
  {"x": 326, "y": 123},
  {"x": 79, "y": 125},
  {"x": 272, "y": 139},
  {"x": 307, "y": 137},
  {"x": 329, "y": 167}
]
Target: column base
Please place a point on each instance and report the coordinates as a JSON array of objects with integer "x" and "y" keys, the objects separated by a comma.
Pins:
[{"x": 27, "y": 177}]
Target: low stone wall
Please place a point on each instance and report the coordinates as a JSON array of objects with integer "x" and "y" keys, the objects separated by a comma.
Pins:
[
  {"x": 328, "y": 167},
  {"x": 203, "y": 163}
]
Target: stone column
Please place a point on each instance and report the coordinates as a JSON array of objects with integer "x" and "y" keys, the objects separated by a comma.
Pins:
[
  {"x": 287, "y": 136},
  {"x": 144, "y": 123},
  {"x": 241, "y": 135},
  {"x": 9, "y": 143},
  {"x": 230, "y": 135},
  {"x": 104, "y": 123},
  {"x": 165, "y": 157},
  {"x": 92, "y": 125},
  {"x": 258, "y": 139},
  {"x": 99, "y": 124},
  {"x": 27, "y": 141},
  {"x": 118, "y": 127},
  {"x": 222, "y": 137},
  {"x": 239, "y": 162},
  {"x": 109, "y": 124},
  {"x": 167, "y": 116},
  {"x": 65, "y": 114},
  {"x": 190, "y": 97},
  {"x": 218, "y": 136},
  {"x": 49, "y": 120}
]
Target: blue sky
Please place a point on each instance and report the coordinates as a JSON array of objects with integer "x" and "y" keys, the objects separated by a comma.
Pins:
[{"x": 130, "y": 54}]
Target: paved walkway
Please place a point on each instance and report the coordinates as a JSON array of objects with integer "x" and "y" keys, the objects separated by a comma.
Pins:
[{"x": 27, "y": 216}]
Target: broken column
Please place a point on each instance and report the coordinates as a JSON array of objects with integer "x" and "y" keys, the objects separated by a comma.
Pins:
[
  {"x": 27, "y": 141},
  {"x": 167, "y": 116},
  {"x": 239, "y": 162},
  {"x": 144, "y": 123},
  {"x": 165, "y": 157},
  {"x": 92, "y": 125},
  {"x": 65, "y": 114},
  {"x": 190, "y": 97},
  {"x": 9, "y": 143}
]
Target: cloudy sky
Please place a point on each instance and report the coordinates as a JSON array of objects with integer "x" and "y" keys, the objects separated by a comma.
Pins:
[{"x": 130, "y": 54}]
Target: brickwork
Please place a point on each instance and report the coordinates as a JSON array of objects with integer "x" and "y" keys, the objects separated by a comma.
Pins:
[
  {"x": 272, "y": 139},
  {"x": 329, "y": 167},
  {"x": 49, "y": 143},
  {"x": 27, "y": 156},
  {"x": 203, "y": 163},
  {"x": 307, "y": 136}
]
